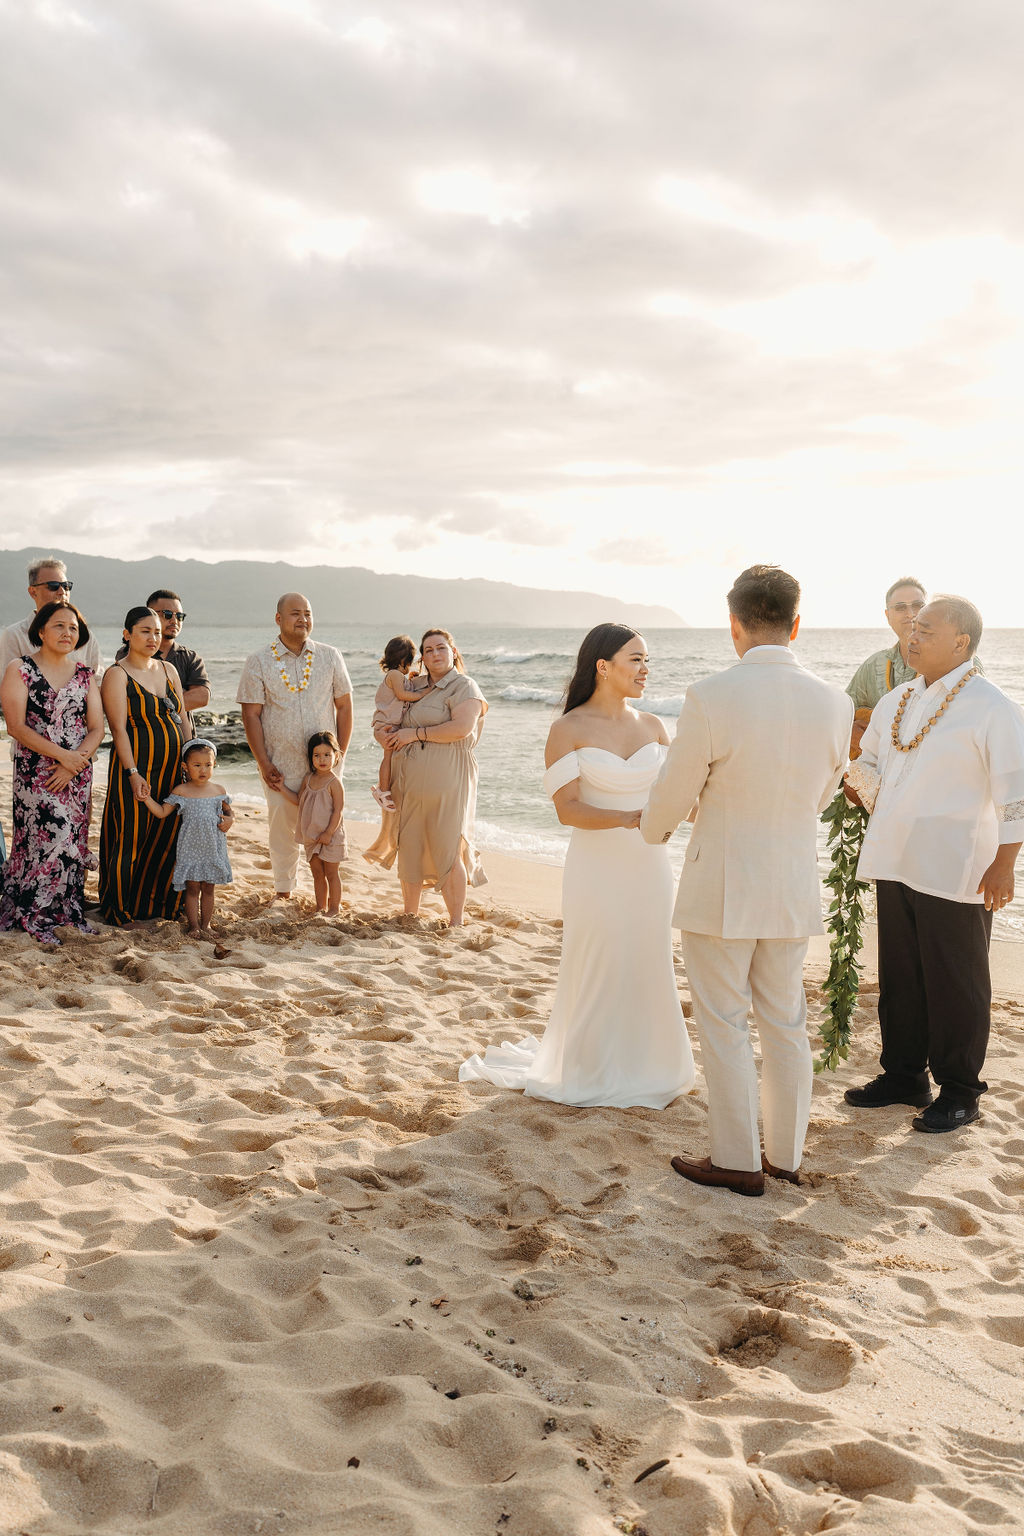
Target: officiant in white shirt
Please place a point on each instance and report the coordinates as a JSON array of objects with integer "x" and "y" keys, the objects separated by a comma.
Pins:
[{"x": 943, "y": 758}]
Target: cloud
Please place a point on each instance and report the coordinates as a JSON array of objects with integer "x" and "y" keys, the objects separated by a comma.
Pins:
[{"x": 414, "y": 281}]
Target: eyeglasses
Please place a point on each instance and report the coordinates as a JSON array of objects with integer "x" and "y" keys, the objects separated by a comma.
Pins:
[
  {"x": 170, "y": 613},
  {"x": 914, "y": 608},
  {"x": 55, "y": 586}
]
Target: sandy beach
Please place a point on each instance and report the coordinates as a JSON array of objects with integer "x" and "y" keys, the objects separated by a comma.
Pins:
[{"x": 267, "y": 1267}]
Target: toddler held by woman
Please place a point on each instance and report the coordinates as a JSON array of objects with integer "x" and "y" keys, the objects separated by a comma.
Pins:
[
  {"x": 396, "y": 690},
  {"x": 321, "y": 803},
  {"x": 201, "y": 861}
]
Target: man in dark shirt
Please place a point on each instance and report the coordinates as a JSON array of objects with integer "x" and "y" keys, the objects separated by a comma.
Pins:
[{"x": 189, "y": 664}]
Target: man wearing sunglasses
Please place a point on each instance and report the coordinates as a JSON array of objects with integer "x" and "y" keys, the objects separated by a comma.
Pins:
[
  {"x": 189, "y": 664},
  {"x": 889, "y": 668},
  {"x": 47, "y": 583}
]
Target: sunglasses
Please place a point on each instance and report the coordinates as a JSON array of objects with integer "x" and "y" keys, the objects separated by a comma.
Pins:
[
  {"x": 55, "y": 586},
  {"x": 170, "y": 613}
]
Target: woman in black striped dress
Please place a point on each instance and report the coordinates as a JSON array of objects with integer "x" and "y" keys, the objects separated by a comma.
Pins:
[{"x": 142, "y": 697}]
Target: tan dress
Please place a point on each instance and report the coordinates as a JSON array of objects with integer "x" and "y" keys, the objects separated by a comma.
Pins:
[
  {"x": 434, "y": 789},
  {"x": 316, "y": 808}
]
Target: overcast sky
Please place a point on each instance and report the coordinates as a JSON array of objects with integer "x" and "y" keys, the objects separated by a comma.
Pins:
[{"x": 608, "y": 294}]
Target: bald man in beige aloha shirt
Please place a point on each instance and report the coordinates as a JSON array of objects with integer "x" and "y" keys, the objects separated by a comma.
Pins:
[{"x": 290, "y": 689}]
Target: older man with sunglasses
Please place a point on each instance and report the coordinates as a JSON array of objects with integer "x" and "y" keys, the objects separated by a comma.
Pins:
[
  {"x": 891, "y": 667},
  {"x": 888, "y": 668},
  {"x": 47, "y": 583}
]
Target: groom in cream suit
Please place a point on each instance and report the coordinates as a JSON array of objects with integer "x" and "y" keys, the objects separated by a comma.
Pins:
[{"x": 760, "y": 749}]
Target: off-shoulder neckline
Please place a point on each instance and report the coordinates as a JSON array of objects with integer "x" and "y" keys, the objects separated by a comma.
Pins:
[{"x": 608, "y": 753}]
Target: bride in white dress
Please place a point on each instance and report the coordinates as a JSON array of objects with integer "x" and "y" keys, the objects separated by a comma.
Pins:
[{"x": 616, "y": 1034}]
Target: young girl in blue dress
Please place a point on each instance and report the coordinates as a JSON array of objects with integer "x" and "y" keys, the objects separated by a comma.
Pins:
[{"x": 202, "y": 850}]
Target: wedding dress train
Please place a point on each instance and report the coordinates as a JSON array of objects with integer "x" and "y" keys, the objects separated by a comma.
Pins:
[{"x": 616, "y": 1035}]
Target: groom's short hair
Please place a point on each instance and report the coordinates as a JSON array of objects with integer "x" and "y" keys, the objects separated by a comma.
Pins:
[{"x": 765, "y": 597}]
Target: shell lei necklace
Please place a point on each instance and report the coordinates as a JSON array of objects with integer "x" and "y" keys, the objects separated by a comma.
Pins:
[
  {"x": 923, "y": 732},
  {"x": 303, "y": 682}
]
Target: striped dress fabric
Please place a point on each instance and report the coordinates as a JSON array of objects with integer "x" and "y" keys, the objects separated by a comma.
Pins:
[{"x": 137, "y": 849}]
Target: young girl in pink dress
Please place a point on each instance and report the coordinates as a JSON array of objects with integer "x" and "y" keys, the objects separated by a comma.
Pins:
[
  {"x": 396, "y": 690},
  {"x": 321, "y": 803}
]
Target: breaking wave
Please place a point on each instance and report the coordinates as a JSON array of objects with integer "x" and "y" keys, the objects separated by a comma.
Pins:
[
  {"x": 540, "y": 847},
  {"x": 506, "y": 658},
  {"x": 518, "y": 695},
  {"x": 669, "y": 708}
]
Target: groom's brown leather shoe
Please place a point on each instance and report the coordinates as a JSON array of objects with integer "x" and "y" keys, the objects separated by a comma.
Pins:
[
  {"x": 703, "y": 1171},
  {"x": 780, "y": 1173}
]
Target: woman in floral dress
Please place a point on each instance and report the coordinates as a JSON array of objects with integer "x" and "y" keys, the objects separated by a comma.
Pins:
[{"x": 51, "y": 703}]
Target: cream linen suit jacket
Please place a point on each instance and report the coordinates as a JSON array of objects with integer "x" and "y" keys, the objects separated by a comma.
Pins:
[{"x": 762, "y": 747}]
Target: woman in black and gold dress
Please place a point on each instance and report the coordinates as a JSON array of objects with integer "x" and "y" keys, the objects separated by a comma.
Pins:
[{"x": 142, "y": 697}]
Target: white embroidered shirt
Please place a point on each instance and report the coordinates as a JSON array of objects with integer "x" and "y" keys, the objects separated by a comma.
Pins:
[
  {"x": 944, "y": 808},
  {"x": 291, "y": 715}
]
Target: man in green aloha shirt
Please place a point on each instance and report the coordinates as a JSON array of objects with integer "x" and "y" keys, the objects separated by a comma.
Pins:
[{"x": 888, "y": 668}]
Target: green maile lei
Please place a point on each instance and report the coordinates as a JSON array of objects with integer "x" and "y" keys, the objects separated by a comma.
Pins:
[{"x": 845, "y": 824}]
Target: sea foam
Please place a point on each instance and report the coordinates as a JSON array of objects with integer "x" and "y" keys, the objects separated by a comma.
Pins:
[
  {"x": 541, "y": 848},
  {"x": 506, "y": 658},
  {"x": 517, "y": 694}
]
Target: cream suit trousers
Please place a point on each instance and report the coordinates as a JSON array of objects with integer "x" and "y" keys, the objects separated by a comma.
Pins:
[
  {"x": 282, "y": 818},
  {"x": 727, "y": 978}
]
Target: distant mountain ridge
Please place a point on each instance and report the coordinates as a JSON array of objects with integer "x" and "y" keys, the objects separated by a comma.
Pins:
[{"x": 245, "y": 592}]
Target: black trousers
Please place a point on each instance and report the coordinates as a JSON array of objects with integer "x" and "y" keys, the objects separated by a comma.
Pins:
[{"x": 935, "y": 990}]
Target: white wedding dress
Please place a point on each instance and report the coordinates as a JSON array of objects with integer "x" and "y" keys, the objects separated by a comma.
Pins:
[{"x": 616, "y": 1034}]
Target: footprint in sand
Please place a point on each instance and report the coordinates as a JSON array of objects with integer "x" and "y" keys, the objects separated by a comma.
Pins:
[
  {"x": 1007, "y": 1330},
  {"x": 946, "y": 1214},
  {"x": 358, "y": 1406},
  {"x": 386, "y": 1033},
  {"x": 930, "y": 1313},
  {"x": 765, "y": 1338},
  {"x": 264, "y": 1101},
  {"x": 21, "y": 1052},
  {"x": 857, "y": 1469},
  {"x": 254, "y": 1141},
  {"x": 1010, "y": 1183},
  {"x": 187, "y": 1026}
]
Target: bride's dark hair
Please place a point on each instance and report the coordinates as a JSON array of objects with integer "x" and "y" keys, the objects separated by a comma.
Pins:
[{"x": 603, "y": 642}]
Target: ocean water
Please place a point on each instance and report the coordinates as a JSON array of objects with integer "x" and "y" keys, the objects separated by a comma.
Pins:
[{"x": 523, "y": 673}]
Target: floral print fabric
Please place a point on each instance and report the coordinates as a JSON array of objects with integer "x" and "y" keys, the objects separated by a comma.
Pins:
[{"x": 42, "y": 885}]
